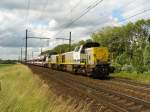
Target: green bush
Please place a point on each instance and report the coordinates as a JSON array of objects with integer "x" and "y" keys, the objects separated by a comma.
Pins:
[
  {"x": 138, "y": 61},
  {"x": 147, "y": 56},
  {"x": 123, "y": 59},
  {"x": 117, "y": 67},
  {"x": 139, "y": 77},
  {"x": 128, "y": 68}
]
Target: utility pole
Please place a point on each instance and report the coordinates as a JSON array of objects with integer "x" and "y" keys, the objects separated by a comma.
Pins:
[
  {"x": 41, "y": 50},
  {"x": 26, "y": 45},
  {"x": 32, "y": 54},
  {"x": 18, "y": 58},
  {"x": 21, "y": 55},
  {"x": 69, "y": 41}
]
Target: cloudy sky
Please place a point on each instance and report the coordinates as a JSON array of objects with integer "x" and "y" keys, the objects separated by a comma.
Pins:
[{"x": 51, "y": 19}]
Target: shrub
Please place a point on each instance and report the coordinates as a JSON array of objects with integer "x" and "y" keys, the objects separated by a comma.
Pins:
[
  {"x": 117, "y": 67},
  {"x": 123, "y": 59},
  {"x": 128, "y": 68}
]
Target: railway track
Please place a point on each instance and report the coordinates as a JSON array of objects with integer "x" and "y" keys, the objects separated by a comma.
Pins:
[
  {"x": 113, "y": 101},
  {"x": 119, "y": 101},
  {"x": 137, "y": 90},
  {"x": 133, "y": 89},
  {"x": 131, "y": 82}
]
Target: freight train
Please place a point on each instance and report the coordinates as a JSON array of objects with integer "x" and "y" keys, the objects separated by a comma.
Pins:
[{"x": 89, "y": 59}]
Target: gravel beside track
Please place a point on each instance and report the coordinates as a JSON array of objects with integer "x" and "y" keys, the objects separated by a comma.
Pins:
[{"x": 111, "y": 95}]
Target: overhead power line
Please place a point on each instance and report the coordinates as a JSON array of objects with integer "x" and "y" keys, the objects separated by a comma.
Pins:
[
  {"x": 45, "y": 7},
  {"x": 139, "y": 13},
  {"x": 89, "y": 8},
  {"x": 142, "y": 12}
]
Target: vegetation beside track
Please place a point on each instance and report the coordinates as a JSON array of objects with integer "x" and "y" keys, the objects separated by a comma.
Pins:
[
  {"x": 8, "y": 61},
  {"x": 139, "y": 77},
  {"x": 5, "y": 65},
  {"x": 22, "y": 91}
]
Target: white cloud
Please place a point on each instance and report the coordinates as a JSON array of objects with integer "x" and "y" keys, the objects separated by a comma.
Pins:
[
  {"x": 52, "y": 23},
  {"x": 47, "y": 17}
]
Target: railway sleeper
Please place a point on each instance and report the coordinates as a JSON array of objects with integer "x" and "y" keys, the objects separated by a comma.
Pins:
[{"x": 130, "y": 105}]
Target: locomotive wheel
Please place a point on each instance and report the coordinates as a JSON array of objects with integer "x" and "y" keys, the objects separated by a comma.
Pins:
[{"x": 88, "y": 73}]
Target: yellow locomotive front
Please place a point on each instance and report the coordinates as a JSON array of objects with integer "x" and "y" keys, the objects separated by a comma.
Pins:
[
  {"x": 97, "y": 61},
  {"x": 92, "y": 59},
  {"x": 97, "y": 55}
]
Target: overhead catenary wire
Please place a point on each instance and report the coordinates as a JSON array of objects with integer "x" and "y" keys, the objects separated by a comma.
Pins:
[
  {"x": 82, "y": 11},
  {"x": 41, "y": 15},
  {"x": 45, "y": 7},
  {"x": 129, "y": 17},
  {"x": 72, "y": 9},
  {"x": 139, "y": 13},
  {"x": 86, "y": 11},
  {"x": 89, "y": 8}
]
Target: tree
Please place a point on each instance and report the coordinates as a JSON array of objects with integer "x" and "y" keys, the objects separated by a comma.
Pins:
[
  {"x": 147, "y": 56},
  {"x": 127, "y": 43},
  {"x": 138, "y": 61}
]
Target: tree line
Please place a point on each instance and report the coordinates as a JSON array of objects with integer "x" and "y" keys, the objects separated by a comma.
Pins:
[
  {"x": 8, "y": 61},
  {"x": 129, "y": 45}
]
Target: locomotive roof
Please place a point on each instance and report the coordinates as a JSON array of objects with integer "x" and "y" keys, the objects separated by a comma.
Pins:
[
  {"x": 53, "y": 53},
  {"x": 91, "y": 44}
]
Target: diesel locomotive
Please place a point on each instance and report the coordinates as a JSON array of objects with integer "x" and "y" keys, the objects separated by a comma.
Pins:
[{"x": 89, "y": 59}]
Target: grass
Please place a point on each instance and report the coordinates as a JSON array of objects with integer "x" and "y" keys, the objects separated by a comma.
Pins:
[
  {"x": 139, "y": 77},
  {"x": 21, "y": 91},
  {"x": 5, "y": 65}
]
